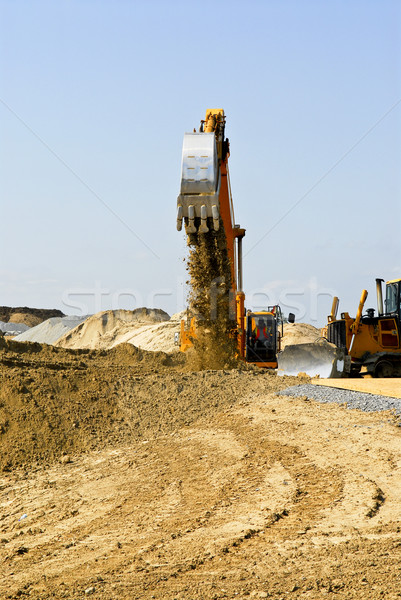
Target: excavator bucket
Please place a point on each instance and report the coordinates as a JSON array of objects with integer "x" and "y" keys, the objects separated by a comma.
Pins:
[
  {"x": 198, "y": 202},
  {"x": 317, "y": 359}
]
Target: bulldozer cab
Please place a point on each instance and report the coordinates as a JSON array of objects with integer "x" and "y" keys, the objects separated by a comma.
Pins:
[{"x": 261, "y": 337}]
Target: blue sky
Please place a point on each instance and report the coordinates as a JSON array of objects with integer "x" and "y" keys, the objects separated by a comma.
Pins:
[{"x": 95, "y": 99}]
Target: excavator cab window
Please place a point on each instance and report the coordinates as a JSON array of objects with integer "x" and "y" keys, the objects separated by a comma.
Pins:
[{"x": 261, "y": 339}]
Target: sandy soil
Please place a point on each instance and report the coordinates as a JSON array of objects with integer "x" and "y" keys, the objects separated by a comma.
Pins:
[
  {"x": 299, "y": 333},
  {"x": 127, "y": 476}
]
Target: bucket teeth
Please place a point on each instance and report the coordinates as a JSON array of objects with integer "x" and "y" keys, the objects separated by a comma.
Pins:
[
  {"x": 203, "y": 227},
  {"x": 179, "y": 218},
  {"x": 190, "y": 228},
  {"x": 215, "y": 215}
]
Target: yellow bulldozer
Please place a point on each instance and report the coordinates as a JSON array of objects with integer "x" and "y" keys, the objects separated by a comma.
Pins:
[{"x": 350, "y": 346}]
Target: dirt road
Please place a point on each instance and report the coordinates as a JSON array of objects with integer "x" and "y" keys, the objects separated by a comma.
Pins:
[{"x": 127, "y": 476}]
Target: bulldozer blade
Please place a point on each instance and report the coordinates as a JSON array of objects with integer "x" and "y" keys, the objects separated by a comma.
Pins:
[{"x": 317, "y": 359}]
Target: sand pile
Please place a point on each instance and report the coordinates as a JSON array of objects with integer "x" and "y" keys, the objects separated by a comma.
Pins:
[
  {"x": 51, "y": 330},
  {"x": 299, "y": 333},
  {"x": 146, "y": 328},
  {"x": 157, "y": 337}
]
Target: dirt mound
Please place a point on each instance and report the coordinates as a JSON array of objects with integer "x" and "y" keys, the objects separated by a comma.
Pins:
[
  {"x": 156, "y": 337},
  {"x": 25, "y": 319},
  {"x": 299, "y": 333},
  {"x": 28, "y": 316},
  {"x": 128, "y": 355},
  {"x": 55, "y": 401},
  {"x": 148, "y": 328}
]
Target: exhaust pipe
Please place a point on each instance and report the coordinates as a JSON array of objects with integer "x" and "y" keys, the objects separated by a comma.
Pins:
[
  {"x": 334, "y": 309},
  {"x": 379, "y": 293},
  {"x": 239, "y": 260}
]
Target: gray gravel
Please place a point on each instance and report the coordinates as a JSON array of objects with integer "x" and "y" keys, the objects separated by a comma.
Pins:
[
  {"x": 13, "y": 328},
  {"x": 359, "y": 400},
  {"x": 51, "y": 330}
]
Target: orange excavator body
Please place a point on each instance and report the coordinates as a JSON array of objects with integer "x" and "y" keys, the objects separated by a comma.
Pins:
[{"x": 206, "y": 198}]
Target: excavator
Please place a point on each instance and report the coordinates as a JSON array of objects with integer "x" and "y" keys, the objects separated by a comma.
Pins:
[
  {"x": 368, "y": 343},
  {"x": 205, "y": 207}
]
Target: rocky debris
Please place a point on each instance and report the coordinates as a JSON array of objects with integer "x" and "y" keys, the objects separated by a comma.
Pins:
[
  {"x": 352, "y": 399},
  {"x": 90, "y": 590}
]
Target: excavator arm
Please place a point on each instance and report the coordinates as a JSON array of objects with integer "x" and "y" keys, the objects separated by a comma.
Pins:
[{"x": 204, "y": 206}]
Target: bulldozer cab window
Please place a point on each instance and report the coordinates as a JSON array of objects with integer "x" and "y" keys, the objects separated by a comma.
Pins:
[{"x": 392, "y": 298}]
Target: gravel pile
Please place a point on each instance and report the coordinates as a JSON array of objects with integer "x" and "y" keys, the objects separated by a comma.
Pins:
[
  {"x": 13, "y": 328},
  {"x": 51, "y": 330},
  {"x": 359, "y": 400}
]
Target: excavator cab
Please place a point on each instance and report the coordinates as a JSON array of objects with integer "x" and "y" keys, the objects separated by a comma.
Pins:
[{"x": 263, "y": 335}]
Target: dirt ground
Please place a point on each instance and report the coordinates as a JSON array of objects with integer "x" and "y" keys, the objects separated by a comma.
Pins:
[{"x": 125, "y": 475}]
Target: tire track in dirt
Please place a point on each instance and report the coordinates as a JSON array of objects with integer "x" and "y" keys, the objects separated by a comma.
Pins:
[
  {"x": 203, "y": 485},
  {"x": 171, "y": 508}
]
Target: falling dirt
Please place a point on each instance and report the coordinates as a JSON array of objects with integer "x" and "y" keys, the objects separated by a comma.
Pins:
[
  {"x": 127, "y": 476},
  {"x": 211, "y": 299}
]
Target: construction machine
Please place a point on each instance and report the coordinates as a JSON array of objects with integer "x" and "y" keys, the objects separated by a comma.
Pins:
[
  {"x": 205, "y": 207},
  {"x": 365, "y": 344}
]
